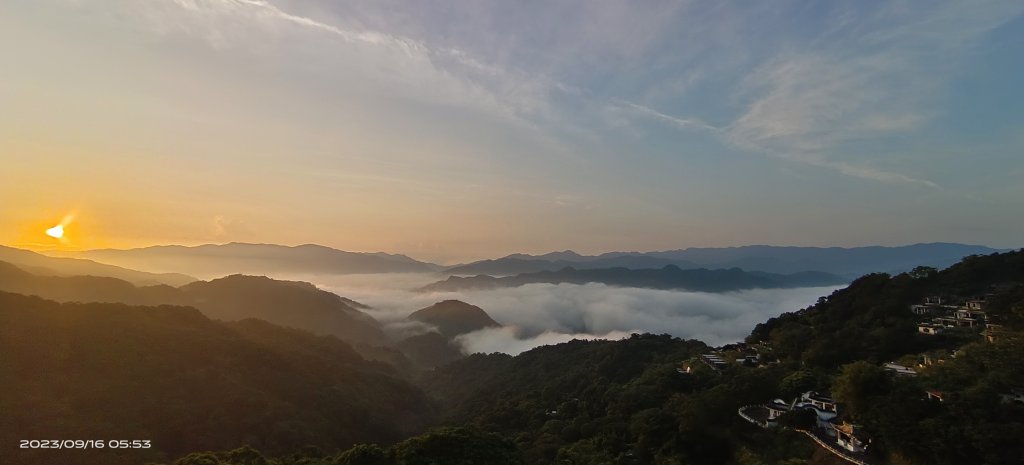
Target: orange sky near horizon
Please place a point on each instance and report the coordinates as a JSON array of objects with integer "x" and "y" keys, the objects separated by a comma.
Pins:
[{"x": 455, "y": 140}]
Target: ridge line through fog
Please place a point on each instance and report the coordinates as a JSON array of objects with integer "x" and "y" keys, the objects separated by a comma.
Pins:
[{"x": 539, "y": 314}]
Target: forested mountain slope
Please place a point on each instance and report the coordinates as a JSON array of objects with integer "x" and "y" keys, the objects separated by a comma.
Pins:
[
  {"x": 170, "y": 375},
  {"x": 288, "y": 303}
]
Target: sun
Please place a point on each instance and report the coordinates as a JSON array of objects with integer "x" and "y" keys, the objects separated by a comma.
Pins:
[
  {"x": 59, "y": 232},
  {"x": 56, "y": 232}
]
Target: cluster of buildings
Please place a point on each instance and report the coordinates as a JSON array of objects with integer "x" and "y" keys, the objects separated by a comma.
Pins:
[
  {"x": 846, "y": 439},
  {"x": 713, "y": 361},
  {"x": 1012, "y": 396},
  {"x": 742, "y": 354},
  {"x": 843, "y": 434},
  {"x": 738, "y": 353},
  {"x": 899, "y": 370},
  {"x": 968, "y": 314}
]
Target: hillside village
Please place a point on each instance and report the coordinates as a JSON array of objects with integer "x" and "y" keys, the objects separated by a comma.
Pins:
[
  {"x": 964, "y": 320},
  {"x": 851, "y": 379}
]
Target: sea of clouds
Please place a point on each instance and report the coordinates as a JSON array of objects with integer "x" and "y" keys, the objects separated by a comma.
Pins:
[{"x": 540, "y": 314}]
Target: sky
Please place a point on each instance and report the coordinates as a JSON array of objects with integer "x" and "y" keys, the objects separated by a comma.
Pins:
[{"x": 457, "y": 130}]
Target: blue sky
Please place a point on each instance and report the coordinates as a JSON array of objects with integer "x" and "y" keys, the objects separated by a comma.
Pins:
[{"x": 455, "y": 130}]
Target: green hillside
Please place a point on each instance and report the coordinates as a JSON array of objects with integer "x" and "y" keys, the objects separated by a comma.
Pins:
[{"x": 173, "y": 376}]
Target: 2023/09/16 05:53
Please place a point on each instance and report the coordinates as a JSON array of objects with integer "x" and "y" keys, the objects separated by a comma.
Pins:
[{"x": 85, "y": 444}]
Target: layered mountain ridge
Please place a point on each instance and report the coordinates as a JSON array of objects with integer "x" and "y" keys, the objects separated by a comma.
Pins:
[{"x": 670, "y": 277}]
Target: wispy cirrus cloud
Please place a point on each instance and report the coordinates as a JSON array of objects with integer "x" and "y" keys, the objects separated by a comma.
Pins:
[
  {"x": 807, "y": 155},
  {"x": 872, "y": 72},
  {"x": 424, "y": 71},
  {"x": 265, "y": 8},
  {"x": 681, "y": 123},
  {"x": 868, "y": 78},
  {"x": 221, "y": 11}
]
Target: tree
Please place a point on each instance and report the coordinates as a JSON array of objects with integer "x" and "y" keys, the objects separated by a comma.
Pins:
[
  {"x": 199, "y": 458},
  {"x": 584, "y": 453},
  {"x": 857, "y": 384},
  {"x": 364, "y": 454},
  {"x": 791, "y": 340},
  {"x": 457, "y": 446},
  {"x": 796, "y": 383},
  {"x": 923, "y": 272},
  {"x": 245, "y": 455}
]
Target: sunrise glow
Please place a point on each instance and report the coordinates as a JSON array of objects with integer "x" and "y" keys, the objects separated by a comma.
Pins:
[
  {"x": 312, "y": 232},
  {"x": 56, "y": 232}
]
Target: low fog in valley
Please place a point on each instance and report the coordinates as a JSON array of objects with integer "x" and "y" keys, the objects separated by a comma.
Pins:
[{"x": 540, "y": 314}]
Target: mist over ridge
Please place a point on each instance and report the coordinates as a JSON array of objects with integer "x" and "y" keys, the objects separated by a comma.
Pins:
[
  {"x": 539, "y": 314},
  {"x": 849, "y": 262}
]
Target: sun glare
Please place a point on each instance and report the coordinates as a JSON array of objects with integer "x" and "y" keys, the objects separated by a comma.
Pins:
[
  {"x": 59, "y": 231},
  {"x": 56, "y": 232}
]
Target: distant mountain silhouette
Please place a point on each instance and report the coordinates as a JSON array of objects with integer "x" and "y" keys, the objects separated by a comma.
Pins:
[
  {"x": 850, "y": 262},
  {"x": 454, "y": 317},
  {"x": 847, "y": 262},
  {"x": 44, "y": 265},
  {"x": 565, "y": 255},
  {"x": 263, "y": 259},
  {"x": 287, "y": 303},
  {"x": 213, "y": 260},
  {"x": 668, "y": 277},
  {"x": 515, "y": 264},
  {"x": 85, "y": 288}
]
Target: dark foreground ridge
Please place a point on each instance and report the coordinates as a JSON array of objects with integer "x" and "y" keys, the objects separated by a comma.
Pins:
[{"x": 170, "y": 375}]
